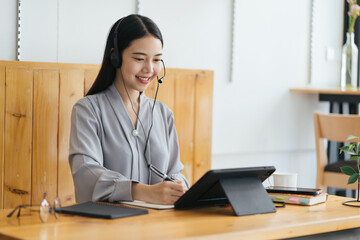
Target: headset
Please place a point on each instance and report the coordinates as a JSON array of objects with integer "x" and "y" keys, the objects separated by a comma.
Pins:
[{"x": 115, "y": 57}]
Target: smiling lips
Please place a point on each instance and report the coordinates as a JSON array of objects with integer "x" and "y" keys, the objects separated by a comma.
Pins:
[{"x": 143, "y": 80}]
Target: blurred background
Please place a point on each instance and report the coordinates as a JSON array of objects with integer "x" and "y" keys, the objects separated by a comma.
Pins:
[{"x": 258, "y": 50}]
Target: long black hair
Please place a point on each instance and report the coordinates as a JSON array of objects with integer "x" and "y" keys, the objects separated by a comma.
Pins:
[{"x": 128, "y": 29}]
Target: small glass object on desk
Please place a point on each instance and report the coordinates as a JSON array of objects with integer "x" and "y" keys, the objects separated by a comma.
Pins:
[
  {"x": 45, "y": 209},
  {"x": 349, "y": 63}
]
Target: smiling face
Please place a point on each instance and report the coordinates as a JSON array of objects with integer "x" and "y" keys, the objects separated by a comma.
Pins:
[{"x": 141, "y": 63}]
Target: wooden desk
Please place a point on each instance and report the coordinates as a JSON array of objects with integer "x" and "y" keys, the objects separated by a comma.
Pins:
[
  {"x": 335, "y": 95},
  {"x": 336, "y": 91},
  {"x": 204, "y": 223}
]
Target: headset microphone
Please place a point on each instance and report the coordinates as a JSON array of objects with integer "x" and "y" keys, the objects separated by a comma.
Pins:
[{"x": 162, "y": 78}]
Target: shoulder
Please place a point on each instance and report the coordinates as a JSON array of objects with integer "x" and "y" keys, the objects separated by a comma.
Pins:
[
  {"x": 166, "y": 113},
  {"x": 90, "y": 101},
  {"x": 164, "y": 108},
  {"x": 89, "y": 104}
]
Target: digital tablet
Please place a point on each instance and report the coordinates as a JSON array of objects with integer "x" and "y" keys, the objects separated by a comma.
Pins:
[
  {"x": 294, "y": 190},
  {"x": 208, "y": 191}
]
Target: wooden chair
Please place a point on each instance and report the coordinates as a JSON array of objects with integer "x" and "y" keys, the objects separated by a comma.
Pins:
[{"x": 333, "y": 127}]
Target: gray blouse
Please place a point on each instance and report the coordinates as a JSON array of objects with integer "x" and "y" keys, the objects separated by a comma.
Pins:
[{"x": 105, "y": 157}]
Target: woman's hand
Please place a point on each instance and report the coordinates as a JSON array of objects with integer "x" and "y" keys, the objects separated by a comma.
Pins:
[{"x": 166, "y": 192}]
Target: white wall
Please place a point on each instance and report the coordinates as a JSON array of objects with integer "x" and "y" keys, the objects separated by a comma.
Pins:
[
  {"x": 256, "y": 120},
  {"x": 8, "y": 15},
  {"x": 326, "y": 70}
]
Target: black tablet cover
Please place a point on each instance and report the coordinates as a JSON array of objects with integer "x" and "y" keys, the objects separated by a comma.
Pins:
[
  {"x": 208, "y": 191},
  {"x": 102, "y": 210}
]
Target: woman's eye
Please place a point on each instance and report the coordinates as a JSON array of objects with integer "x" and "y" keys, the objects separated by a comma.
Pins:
[
  {"x": 157, "y": 60},
  {"x": 139, "y": 59}
]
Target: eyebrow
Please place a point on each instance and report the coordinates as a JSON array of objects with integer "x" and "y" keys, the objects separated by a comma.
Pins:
[{"x": 144, "y": 54}]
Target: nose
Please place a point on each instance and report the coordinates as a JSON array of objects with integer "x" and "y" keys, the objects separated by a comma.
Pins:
[{"x": 148, "y": 67}]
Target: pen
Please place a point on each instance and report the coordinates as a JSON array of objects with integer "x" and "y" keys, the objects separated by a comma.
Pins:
[{"x": 160, "y": 174}]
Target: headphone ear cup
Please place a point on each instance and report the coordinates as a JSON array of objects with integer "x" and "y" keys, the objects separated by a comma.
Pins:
[{"x": 115, "y": 60}]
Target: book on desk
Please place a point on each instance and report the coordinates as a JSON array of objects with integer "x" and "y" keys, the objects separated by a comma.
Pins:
[{"x": 299, "y": 199}]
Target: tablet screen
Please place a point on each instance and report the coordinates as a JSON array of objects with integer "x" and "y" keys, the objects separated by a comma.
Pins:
[{"x": 208, "y": 191}]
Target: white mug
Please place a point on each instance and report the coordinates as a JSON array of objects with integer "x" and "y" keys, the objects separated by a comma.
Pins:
[{"x": 285, "y": 179}]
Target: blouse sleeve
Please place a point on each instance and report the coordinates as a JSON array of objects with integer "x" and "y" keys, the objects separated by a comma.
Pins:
[
  {"x": 93, "y": 182},
  {"x": 175, "y": 165}
]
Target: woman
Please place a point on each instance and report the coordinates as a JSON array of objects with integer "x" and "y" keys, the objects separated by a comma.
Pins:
[{"x": 118, "y": 135}]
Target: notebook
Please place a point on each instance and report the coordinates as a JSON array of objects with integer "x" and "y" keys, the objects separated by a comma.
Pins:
[
  {"x": 148, "y": 205},
  {"x": 299, "y": 199},
  {"x": 102, "y": 210}
]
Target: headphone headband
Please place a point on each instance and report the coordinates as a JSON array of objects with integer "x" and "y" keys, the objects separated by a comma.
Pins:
[{"x": 115, "y": 57}]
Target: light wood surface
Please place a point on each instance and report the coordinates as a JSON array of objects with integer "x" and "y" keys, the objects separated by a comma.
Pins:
[
  {"x": 45, "y": 124},
  {"x": 316, "y": 90},
  {"x": 332, "y": 127},
  {"x": 200, "y": 223},
  {"x": 2, "y": 129},
  {"x": 203, "y": 124},
  {"x": 71, "y": 90},
  {"x": 36, "y": 100},
  {"x": 18, "y": 135}
]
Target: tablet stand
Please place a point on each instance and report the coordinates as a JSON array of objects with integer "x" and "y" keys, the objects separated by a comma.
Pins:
[{"x": 247, "y": 195}]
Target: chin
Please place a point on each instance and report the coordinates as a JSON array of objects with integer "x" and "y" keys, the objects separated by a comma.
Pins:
[{"x": 142, "y": 89}]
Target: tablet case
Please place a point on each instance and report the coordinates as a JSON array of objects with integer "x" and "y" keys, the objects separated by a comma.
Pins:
[
  {"x": 241, "y": 187},
  {"x": 102, "y": 210}
]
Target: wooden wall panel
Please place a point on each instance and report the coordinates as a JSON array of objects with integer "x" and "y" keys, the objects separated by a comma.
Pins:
[
  {"x": 203, "y": 123},
  {"x": 166, "y": 93},
  {"x": 71, "y": 90},
  {"x": 184, "y": 120},
  {"x": 45, "y": 133},
  {"x": 90, "y": 76},
  {"x": 18, "y": 136},
  {"x": 35, "y": 125},
  {"x": 2, "y": 128}
]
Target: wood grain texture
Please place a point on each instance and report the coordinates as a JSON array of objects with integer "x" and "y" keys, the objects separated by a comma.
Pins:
[
  {"x": 34, "y": 133},
  {"x": 45, "y": 134},
  {"x": 166, "y": 92},
  {"x": 184, "y": 121},
  {"x": 203, "y": 123},
  {"x": 337, "y": 127},
  {"x": 71, "y": 90},
  {"x": 325, "y": 90},
  {"x": 2, "y": 128},
  {"x": 199, "y": 223},
  {"x": 90, "y": 76},
  {"x": 18, "y": 136}
]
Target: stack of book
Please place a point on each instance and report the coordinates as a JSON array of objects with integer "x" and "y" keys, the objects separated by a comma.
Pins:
[{"x": 298, "y": 197}]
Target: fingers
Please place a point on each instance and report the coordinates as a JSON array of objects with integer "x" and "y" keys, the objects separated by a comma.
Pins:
[
  {"x": 166, "y": 192},
  {"x": 172, "y": 191},
  {"x": 178, "y": 185}
]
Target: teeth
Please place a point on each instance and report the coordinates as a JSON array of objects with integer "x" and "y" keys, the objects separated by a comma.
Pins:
[{"x": 143, "y": 79}]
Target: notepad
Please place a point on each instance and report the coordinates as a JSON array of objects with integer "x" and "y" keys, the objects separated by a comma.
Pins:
[
  {"x": 102, "y": 210},
  {"x": 148, "y": 205},
  {"x": 298, "y": 198}
]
